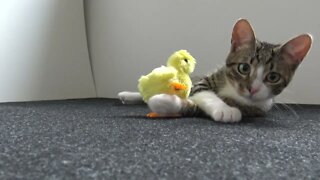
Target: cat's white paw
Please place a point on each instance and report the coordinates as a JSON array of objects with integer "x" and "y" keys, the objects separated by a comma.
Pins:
[
  {"x": 127, "y": 97},
  {"x": 226, "y": 113},
  {"x": 165, "y": 104}
]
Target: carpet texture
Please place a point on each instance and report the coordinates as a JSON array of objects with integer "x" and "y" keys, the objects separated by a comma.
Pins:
[{"x": 103, "y": 139}]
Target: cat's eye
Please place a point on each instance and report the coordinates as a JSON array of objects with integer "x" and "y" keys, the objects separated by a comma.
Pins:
[
  {"x": 273, "y": 77},
  {"x": 186, "y": 60},
  {"x": 244, "y": 68}
]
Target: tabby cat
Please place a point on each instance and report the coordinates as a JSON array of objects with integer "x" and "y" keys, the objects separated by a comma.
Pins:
[{"x": 255, "y": 72}]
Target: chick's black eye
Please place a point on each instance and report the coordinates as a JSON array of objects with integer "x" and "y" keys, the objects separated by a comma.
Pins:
[
  {"x": 186, "y": 60},
  {"x": 273, "y": 77},
  {"x": 244, "y": 68}
]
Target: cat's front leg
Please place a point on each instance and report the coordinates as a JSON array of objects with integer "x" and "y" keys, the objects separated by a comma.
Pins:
[{"x": 213, "y": 106}]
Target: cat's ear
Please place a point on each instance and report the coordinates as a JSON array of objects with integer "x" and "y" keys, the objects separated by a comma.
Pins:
[
  {"x": 242, "y": 35},
  {"x": 296, "y": 49}
]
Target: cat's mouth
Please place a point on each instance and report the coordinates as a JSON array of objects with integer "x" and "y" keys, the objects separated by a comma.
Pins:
[
  {"x": 249, "y": 96},
  {"x": 256, "y": 97},
  {"x": 253, "y": 98}
]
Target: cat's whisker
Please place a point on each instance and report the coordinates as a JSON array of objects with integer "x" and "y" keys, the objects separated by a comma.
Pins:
[
  {"x": 287, "y": 107},
  {"x": 289, "y": 91},
  {"x": 296, "y": 105},
  {"x": 277, "y": 107},
  {"x": 292, "y": 102},
  {"x": 290, "y": 99},
  {"x": 280, "y": 110}
]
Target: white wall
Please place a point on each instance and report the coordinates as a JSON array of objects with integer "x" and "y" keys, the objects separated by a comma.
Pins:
[
  {"x": 43, "y": 51},
  {"x": 129, "y": 38}
]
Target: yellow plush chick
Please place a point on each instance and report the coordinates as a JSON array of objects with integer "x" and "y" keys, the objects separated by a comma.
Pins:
[{"x": 172, "y": 79}]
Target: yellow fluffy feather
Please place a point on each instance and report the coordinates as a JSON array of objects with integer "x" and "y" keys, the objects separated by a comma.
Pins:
[{"x": 171, "y": 79}]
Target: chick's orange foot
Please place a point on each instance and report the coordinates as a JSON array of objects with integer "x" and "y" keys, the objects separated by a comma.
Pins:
[{"x": 155, "y": 115}]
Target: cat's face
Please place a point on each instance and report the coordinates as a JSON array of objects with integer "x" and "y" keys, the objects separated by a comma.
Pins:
[{"x": 259, "y": 70}]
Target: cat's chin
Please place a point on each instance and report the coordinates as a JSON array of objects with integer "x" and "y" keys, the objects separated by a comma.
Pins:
[
  {"x": 254, "y": 98},
  {"x": 257, "y": 98}
]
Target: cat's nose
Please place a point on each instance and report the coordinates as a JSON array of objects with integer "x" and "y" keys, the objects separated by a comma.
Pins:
[{"x": 253, "y": 90}]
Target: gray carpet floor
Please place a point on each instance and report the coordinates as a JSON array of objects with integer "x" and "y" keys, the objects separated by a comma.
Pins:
[{"x": 103, "y": 139}]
